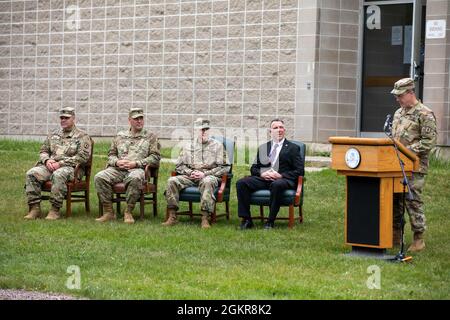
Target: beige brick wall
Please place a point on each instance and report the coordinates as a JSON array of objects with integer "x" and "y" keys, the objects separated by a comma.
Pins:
[
  {"x": 232, "y": 61},
  {"x": 239, "y": 63},
  {"x": 436, "y": 93},
  {"x": 327, "y": 69}
]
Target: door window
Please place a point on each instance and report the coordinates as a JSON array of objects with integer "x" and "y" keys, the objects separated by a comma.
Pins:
[{"x": 387, "y": 49}]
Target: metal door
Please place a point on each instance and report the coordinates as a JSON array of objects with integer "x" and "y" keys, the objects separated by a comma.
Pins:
[{"x": 392, "y": 49}]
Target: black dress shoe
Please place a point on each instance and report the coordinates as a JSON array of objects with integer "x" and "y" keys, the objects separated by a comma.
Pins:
[
  {"x": 269, "y": 225},
  {"x": 247, "y": 224}
]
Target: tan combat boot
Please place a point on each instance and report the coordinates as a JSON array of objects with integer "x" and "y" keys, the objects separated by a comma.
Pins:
[
  {"x": 418, "y": 243},
  {"x": 205, "y": 220},
  {"x": 397, "y": 237},
  {"x": 108, "y": 213},
  {"x": 172, "y": 219},
  {"x": 53, "y": 214},
  {"x": 34, "y": 212},
  {"x": 127, "y": 216}
]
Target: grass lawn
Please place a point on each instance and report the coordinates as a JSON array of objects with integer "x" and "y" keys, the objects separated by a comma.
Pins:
[{"x": 148, "y": 261}]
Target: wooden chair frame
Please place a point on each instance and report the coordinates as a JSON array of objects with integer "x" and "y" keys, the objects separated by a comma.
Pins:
[
  {"x": 226, "y": 178},
  {"x": 149, "y": 192},
  {"x": 224, "y": 183},
  {"x": 75, "y": 187},
  {"x": 297, "y": 201}
]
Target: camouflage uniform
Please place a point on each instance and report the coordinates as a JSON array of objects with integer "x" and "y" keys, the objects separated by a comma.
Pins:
[
  {"x": 142, "y": 148},
  {"x": 416, "y": 129},
  {"x": 68, "y": 149},
  {"x": 211, "y": 159}
]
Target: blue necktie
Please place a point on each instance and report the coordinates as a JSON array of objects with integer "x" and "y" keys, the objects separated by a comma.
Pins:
[{"x": 273, "y": 153}]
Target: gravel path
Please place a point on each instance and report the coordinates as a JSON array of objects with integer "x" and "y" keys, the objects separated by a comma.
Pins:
[{"x": 12, "y": 294}]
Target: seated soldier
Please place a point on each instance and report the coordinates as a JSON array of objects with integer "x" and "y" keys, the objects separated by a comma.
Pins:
[
  {"x": 201, "y": 163},
  {"x": 130, "y": 152},
  {"x": 61, "y": 152}
]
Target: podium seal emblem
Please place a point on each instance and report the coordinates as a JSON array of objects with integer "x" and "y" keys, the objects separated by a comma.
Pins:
[{"x": 352, "y": 158}]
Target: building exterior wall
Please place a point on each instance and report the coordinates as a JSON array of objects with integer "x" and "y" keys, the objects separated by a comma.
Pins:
[
  {"x": 436, "y": 93},
  {"x": 239, "y": 63},
  {"x": 231, "y": 61},
  {"x": 327, "y": 73}
]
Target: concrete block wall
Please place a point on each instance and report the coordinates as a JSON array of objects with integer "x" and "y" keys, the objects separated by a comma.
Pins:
[
  {"x": 231, "y": 61},
  {"x": 239, "y": 63},
  {"x": 436, "y": 92},
  {"x": 327, "y": 73}
]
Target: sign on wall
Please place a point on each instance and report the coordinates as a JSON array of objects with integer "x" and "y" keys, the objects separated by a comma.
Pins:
[
  {"x": 435, "y": 29},
  {"x": 397, "y": 35}
]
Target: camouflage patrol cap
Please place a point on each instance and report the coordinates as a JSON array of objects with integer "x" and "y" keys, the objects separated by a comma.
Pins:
[
  {"x": 201, "y": 123},
  {"x": 67, "y": 112},
  {"x": 136, "y": 113},
  {"x": 403, "y": 85}
]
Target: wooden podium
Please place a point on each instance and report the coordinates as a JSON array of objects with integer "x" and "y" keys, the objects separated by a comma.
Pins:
[{"x": 373, "y": 175}]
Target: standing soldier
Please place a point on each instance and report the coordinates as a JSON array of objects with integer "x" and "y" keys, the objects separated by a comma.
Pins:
[
  {"x": 201, "y": 163},
  {"x": 414, "y": 125},
  {"x": 131, "y": 150},
  {"x": 59, "y": 155}
]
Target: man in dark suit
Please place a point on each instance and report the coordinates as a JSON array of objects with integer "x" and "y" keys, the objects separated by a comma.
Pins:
[{"x": 277, "y": 167}]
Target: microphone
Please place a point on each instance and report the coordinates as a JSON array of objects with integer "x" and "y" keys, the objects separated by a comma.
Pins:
[{"x": 388, "y": 124}]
